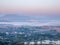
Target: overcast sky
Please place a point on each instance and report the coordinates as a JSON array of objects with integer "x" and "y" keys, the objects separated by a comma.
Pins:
[{"x": 30, "y": 6}]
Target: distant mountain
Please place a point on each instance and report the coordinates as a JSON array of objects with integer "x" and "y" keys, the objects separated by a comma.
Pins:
[
  {"x": 21, "y": 17},
  {"x": 31, "y": 20},
  {"x": 14, "y": 18}
]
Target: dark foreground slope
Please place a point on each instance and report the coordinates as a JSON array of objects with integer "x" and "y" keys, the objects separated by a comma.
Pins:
[{"x": 14, "y": 35}]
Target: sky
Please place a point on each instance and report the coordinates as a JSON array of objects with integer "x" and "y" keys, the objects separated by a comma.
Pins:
[
  {"x": 30, "y": 6},
  {"x": 47, "y": 11}
]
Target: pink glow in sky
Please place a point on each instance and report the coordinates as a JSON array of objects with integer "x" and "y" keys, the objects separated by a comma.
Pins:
[{"x": 30, "y": 6}]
